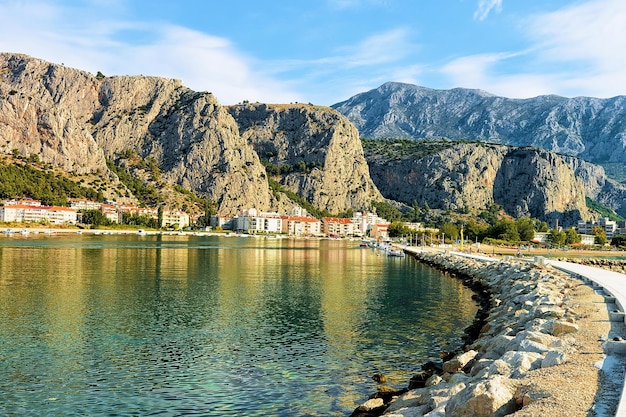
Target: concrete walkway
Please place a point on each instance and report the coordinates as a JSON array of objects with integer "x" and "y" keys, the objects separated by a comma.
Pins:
[
  {"x": 611, "y": 283},
  {"x": 614, "y": 285}
]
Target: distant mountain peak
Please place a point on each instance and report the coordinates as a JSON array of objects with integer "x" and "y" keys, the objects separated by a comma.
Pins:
[{"x": 586, "y": 127}]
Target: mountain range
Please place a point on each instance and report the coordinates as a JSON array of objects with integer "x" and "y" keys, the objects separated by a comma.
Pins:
[
  {"x": 589, "y": 128},
  {"x": 277, "y": 156}
]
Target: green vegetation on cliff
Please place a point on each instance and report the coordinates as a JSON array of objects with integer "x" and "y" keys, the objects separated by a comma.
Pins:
[
  {"x": 603, "y": 210},
  {"x": 19, "y": 180}
]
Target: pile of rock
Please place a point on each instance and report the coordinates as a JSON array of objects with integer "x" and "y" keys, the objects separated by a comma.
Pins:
[
  {"x": 615, "y": 265},
  {"x": 527, "y": 328}
]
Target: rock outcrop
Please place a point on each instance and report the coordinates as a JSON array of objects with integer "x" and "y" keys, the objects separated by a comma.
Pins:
[
  {"x": 318, "y": 149},
  {"x": 524, "y": 181},
  {"x": 74, "y": 120},
  {"x": 528, "y": 327},
  {"x": 598, "y": 186},
  {"x": 589, "y": 128},
  {"x": 43, "y": 111}
]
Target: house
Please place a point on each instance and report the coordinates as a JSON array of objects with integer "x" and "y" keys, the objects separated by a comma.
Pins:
[
  {"x": 38, "y": 214},
  {"x": 175, "y": 218},
  {"x": 301, "y": 226},
  {"x": 252, "y": 221},
  {"x": 336, "y": 227},
  {"x": 379, "y": 231}
]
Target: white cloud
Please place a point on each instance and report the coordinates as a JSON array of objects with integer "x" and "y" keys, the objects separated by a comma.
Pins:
[
  {"x": 585, "y": 42},
  {"x": 203, "y": 62},
  {"x": 485, "y": 7}
]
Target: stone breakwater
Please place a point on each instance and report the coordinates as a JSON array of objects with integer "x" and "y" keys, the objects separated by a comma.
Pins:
[
  {"x": 615, "y": 265},
  {"x": 528, "y": 326}
]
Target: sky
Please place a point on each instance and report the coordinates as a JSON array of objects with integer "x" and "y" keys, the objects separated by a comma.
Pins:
[{"x": 325, "y": 51}]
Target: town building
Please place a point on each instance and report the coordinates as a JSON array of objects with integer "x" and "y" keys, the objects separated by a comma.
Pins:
[
  {"x": 223, "y": 222},
  {"x": 364, "y": 221},
  {"x": 301, "y": 226},
  {"x": 379, "y": 231},
  {"x": 37, "y": 214},
  {"x": 110, "y": 212},
  {"x": 150, "y": 212},
  {"x": 251, "y": 221},
  {"x": 175, "y": 218},
  {"x": 337, "y": 227},
  {"x": 81, "y": 204},
  {"x": 609, "y": 226}
]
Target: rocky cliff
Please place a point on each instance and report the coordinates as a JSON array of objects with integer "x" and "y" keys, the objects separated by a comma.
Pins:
[
  {"x": 74, "y": 120},
  {"x": 597, "y": 186},
  {"x": 317, "y": 151},
  {"x": 459, "y": 176},
  {"x": 589, "y": 128}
]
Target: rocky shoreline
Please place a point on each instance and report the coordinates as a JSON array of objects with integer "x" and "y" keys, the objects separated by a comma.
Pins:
[
  {"x": 615, "y": 265},
  {"x": 527, "y": 323}
]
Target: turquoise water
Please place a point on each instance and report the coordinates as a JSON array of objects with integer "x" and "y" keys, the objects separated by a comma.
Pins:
[{"x": 212, "y": 326}]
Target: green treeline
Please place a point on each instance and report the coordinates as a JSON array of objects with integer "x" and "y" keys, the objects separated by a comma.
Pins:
[{"x": 19, "y": 181}]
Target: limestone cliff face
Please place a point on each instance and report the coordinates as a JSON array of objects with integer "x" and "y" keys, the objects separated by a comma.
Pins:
[
  {"x": 320, "y": 147},
  {"x": 598, "y": 187},
  {"x": 43, "y": 111},
  {"x": 194, "y": 139},
  {"x": 74, "y": 120},
  {"x": 524, "y": 181}
]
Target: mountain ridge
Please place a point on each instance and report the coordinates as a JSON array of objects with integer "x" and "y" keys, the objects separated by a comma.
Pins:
[{"x": 590, "y": 128}]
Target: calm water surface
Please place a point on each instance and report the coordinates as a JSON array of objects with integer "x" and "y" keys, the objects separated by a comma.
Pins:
[{"x": 212, "y": 326}]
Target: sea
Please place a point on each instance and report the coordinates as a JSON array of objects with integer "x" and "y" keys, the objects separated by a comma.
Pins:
[{"x": 169, "y": 325}]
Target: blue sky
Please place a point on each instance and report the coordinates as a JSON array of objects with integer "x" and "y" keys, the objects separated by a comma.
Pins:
[{"x": 325, "y": 51}]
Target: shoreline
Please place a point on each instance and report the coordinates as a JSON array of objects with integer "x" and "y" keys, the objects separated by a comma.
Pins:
[{"x": 539, "y": 324}]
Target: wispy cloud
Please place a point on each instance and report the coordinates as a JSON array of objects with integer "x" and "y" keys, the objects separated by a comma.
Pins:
[
  {"x": 203, "y": 62},
  {"x": 485, "y": 7},
  {"x": 585, "y": 44}
]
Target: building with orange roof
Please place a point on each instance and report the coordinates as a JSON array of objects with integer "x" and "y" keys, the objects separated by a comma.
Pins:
[
  {"x": 37, "y": 214},
  {"x": 337, "y": 226},
  {"x": 301, "y": 226}
]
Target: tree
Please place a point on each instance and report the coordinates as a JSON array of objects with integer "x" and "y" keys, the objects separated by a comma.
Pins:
[
  {"x": 571, "y": 236},
  {"x": 619, "y": 241},
  {"x": 397, "y": 229},
  {"x": 475, "y": 231},
  {"x": 450, "y": 230},
  {"x": 525, "y": 229},
  {"x": 95, "y": 217},
  {"x": 600, "y": 235},
  {"x": 386, "y": 211},
  {"x": 557, "y": 238},
  {"x": 504, "y": 230}
]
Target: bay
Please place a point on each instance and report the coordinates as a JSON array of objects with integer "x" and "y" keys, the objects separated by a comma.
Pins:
[{"x": 213, "y": 326}]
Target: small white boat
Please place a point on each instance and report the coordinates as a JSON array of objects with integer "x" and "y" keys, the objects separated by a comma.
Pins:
[
  {"x": 141, "y": 232},
  {"x": 395, "y": 252}
]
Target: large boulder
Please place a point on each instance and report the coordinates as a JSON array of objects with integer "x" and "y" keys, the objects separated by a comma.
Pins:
[{"x": 485, "y": 398}]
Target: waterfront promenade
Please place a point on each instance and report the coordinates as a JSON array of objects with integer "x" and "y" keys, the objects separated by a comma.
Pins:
[{"x": 603, "y": 281}]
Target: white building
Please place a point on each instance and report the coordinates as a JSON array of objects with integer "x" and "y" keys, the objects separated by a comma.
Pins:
[
  {"x": 334, "y": 226},
  {"x": 301, "y": 226},
  {"x": 37, "y": 214},
  {"x": 363, "y": 222},
  {"x": 175, "y": 217},
  {"x": 252, "y": 221},
  {"x": 81, "y": 204},
  {"x": 609, "y": 226}
]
